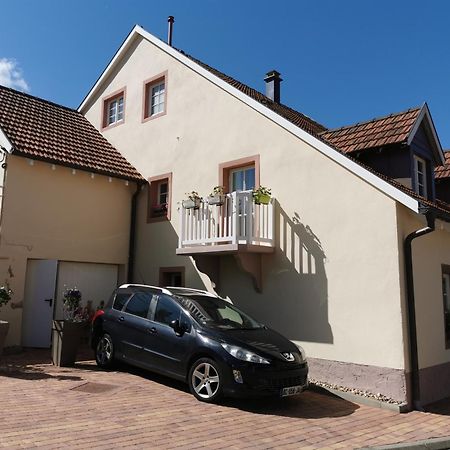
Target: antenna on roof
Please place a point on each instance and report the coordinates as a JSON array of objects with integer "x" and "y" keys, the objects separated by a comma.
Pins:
[{"x": 171, "y": 21}]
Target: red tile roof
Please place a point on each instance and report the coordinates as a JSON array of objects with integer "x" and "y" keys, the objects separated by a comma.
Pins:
[
  {"x": 43, "y": 130},
  {"x": 392, "y": 129},
  {"x": 297, "y": 118},
  {"x": 443, "y": 171}
]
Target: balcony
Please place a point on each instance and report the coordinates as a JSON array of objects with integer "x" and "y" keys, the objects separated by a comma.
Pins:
[{"x": 239, "y": 227}]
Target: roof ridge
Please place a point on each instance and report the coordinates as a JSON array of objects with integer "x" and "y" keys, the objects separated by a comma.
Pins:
[
  {"x": 265, "y": 98},
  {"x": 40, "y": 99},
  {"x": 375, "y": 119}
]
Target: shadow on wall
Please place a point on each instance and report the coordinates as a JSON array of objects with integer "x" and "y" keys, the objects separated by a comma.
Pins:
[{"x": 294, "y": 300}]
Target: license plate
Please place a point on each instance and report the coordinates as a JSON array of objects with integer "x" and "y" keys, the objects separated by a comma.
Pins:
[{"x": 293, "y": 390}]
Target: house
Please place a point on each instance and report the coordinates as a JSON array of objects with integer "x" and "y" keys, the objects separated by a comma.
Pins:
[
  {"x": 66, "y": 213},
  {"x": 349, "y": 257}
]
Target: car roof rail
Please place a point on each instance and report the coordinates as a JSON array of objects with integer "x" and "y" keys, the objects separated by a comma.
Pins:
[
  {"x": 163, "y": 290},
  {"x": 199, "y": 291}
]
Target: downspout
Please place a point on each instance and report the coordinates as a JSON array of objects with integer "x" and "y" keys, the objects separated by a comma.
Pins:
[
  {"x": 132, "y": 240},
  {"x": 411, "y": 321}
]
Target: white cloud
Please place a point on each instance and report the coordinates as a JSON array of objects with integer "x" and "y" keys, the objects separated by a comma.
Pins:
[{"x": 11, "y": 75}]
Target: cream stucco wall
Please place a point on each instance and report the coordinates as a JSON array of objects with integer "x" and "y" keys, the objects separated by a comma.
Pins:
[
  {"x": 54, "y": 214},
  {"x": 430, "y": 252},
  {"x": 348, "y": 306}
]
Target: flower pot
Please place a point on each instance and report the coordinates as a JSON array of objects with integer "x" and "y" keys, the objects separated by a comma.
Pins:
[
  {"x": 65, "y": 342},
  {"x": 262, "y": 199},
  {"x": 218, "y": 199},
  {"x": 191, "y": 204},
  {"x": 4, "y": 327}
]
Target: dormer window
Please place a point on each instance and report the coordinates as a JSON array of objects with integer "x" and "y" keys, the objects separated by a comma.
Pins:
[
  {"x": 420, "y": 176},
  {"x": 114, "y": 109},
  {"x": 155, "y": 97}
]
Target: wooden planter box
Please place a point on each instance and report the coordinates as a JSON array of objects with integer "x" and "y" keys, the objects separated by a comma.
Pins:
[
  {"x": 65, "y": 342},
  {"x": 4, "y": 327},
  {"x": 191, "y": 204},
  {"x": 218, "y": 199}
]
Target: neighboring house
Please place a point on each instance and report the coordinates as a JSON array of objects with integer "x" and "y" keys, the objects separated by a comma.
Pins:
[
  {"x": 66, "y": 211},
  {"x": 327, "y": 263}
]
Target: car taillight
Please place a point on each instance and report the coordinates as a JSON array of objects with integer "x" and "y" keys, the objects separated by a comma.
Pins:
[{"x": 98, "y": 313}]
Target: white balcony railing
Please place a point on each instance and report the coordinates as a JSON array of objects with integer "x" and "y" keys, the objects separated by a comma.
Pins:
[{"x": 238, "y": 221}]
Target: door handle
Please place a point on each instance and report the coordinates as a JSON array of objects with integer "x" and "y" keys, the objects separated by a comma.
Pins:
[
  {"x": 121, "y": 319},
  {"x": 152, "y": 330},
  {"x": 49, "y": 301}
]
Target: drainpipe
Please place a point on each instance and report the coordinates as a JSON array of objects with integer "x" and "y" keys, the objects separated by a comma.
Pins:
[
  {"x": 133, "y": 232},
  {"x": 411, "y": 320}
]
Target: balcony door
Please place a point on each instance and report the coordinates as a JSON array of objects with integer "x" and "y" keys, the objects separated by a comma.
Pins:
[{"x": 242, "y": 178}]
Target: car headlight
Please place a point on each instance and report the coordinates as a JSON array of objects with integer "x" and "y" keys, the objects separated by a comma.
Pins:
[
  {"x": 244, "y": 355},
  {"x": 302, "y": 352}
]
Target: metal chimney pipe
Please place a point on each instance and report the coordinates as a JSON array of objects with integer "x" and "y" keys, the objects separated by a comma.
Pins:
[
  {"x": 171, "y": 21},
  {"x": 273, "y": 81}
]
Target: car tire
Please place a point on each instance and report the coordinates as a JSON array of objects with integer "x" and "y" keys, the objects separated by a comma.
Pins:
[
  {"x": 205, "y": 380},
  {"x": 104, "y": 352}
]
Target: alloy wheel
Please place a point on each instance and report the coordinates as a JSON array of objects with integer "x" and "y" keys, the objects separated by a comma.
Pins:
[
  {"x": 205, "y": 380},
  {"x": 104, "y": 350}
]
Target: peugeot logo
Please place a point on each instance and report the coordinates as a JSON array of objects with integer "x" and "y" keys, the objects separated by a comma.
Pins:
[{"x": 288, "y": 356}]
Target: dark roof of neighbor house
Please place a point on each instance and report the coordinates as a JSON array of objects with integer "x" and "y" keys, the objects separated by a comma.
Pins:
[
  {"x": 297, "y": 118},
  {"x": 392, "y": 129},
  {"x": 43, "y": 130},
  {"x": 443, "y": 171}
]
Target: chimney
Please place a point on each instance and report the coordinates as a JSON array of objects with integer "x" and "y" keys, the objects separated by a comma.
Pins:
[
  {"x": 171, "y": 20},
  {"x": 273, "y": 82}
]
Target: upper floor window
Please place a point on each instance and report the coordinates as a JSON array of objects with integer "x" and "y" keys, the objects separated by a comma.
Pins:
[
  {"x": 420, "y": 176},
  {"x": 159, "y": 198},
  {"x": 155, "y": 97},
  {"x": 446, "y": 298},
  {"x": 242, "y": 178},
  {"x": 114, "y": 109}
]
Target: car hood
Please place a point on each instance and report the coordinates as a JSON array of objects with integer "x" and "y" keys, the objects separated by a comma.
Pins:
[{"x": 264, "y": 341}]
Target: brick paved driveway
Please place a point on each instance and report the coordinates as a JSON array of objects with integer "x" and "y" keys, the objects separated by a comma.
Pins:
[{"x": 83, "y": 407}]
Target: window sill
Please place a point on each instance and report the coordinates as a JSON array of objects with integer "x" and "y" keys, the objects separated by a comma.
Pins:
[{"x": 113, "y": 125}]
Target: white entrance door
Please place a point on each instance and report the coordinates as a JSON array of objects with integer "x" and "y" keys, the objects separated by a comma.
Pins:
[{"x": 39, "y": 301}]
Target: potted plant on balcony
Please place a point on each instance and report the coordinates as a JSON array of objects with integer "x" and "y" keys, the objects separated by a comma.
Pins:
[
  {"x": 193, "y": 201},
  {"x": 67, "y": 333},
  {"x": 262, "y": 195},
  {"x": 217, "y": 196},
  {"x": 159, "y": 209},
  {"x": 5, "y": 297}
]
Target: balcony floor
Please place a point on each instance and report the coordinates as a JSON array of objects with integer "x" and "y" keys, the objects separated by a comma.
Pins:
[{"x": 224, "y": 249}]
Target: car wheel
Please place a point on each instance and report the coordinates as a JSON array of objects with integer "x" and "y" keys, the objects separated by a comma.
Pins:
[
  {"x": 205, "y": 380},
  {"x": 104, "y": 352}
]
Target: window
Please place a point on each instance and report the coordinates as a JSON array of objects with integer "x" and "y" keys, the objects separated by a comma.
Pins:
[
  {"x": 120, "y": 300},
  {"x": 159, "y": 198},
  {"x": 114, "y": 109},
  {"x": 171, "y": 276},
  {"x": 242, "y": 179},
  {"x": 420, "y": 176},
  {"x": 240, "y": 174},
  {"x": 139, "y": 304},
  {"x": 166, "y": 310},
  {"x": 446, "y": 298},
  {"x": 155, "y": 97}
]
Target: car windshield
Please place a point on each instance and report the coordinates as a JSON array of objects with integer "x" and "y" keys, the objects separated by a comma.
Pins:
[{"x": 217, "y": 313}]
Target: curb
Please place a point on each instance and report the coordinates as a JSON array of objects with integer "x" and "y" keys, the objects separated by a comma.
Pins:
[
  {"x": 398, "y": 408},
  {"x": 431, "y": 444}
]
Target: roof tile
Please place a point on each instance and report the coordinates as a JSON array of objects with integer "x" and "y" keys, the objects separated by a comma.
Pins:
[{"x": 44, "y": 130}]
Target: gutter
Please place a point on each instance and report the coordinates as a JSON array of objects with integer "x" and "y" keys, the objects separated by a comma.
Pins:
[
  {"x": 411, "y": 318},
  {"x": 132, "y": 240}
]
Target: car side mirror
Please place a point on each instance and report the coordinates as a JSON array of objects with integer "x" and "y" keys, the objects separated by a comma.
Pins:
[{"x": 175, "y": 325}]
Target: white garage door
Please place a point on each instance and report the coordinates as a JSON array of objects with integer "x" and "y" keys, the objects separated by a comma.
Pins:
[{"x": 96, "y": 282}]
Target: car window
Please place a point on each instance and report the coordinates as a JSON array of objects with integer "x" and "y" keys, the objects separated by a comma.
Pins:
[
  {"x": 139, "y": 304},
  {"x": 166, "y": 310},
  {"x": 120, "y": 300}
]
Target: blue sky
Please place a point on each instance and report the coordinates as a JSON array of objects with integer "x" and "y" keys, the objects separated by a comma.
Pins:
[{"x": 342, "y": 61}]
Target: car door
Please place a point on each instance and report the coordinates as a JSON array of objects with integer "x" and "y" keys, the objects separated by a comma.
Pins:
[
  {"x": 133, "y": 326},
  {"x": 166, "y": 350}
]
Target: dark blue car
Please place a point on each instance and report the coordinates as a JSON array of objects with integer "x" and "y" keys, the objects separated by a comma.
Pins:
[{"x": 197, "y": 337}]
